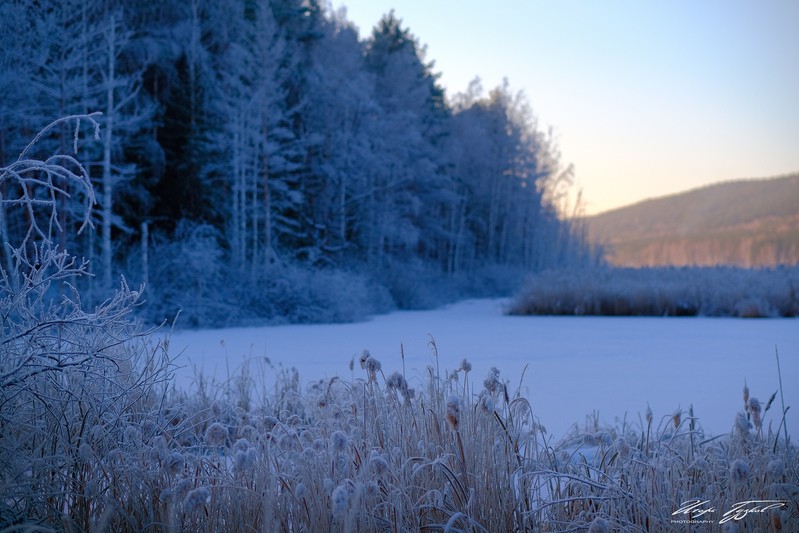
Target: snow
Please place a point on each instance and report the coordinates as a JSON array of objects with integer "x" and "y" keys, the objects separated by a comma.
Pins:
[{"x": 575, "y": 366}]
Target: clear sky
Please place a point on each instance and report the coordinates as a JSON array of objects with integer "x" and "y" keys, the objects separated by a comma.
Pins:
[{"x": 646, "y": 97}]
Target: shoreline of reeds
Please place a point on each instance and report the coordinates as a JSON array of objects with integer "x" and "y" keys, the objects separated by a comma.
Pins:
[
  {"x": 684, "y": 291},
  {"x": 376, "y": 452}
]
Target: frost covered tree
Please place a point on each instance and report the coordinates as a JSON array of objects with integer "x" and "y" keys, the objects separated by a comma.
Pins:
[
  {"x": 125, "y": 116},
  {"x": 505, "y": 167},
  {"x": 186, "y": 40},
  {"x": 78, "y": 56},
  {"x": 270, "y": 131},
  {"x": 46, "y": 65},
  {"x": 340, "y": 119},
  {"x": 406, "y": 185},
  {"x": 252, "y": 135}
]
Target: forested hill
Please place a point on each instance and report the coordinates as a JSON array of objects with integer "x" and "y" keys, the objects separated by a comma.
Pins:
[
  {"x": 261, "y": 159},
  {"x": 749, "y": 223}
]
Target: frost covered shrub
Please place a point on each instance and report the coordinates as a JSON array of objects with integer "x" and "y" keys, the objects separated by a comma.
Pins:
[
  {"x": 299, "y": 293},
  {"x": 662, "y": 292},
  {"x": 416, "y": 285},
  {"x": 186, "y": 275},
  {"x": 413, "y": 284},
  {"x": 191, "y": 276},
  {"x": 70, "y": 381},
  {"x": 73, "y": 382},
  {"x": 492, "y": 281}
]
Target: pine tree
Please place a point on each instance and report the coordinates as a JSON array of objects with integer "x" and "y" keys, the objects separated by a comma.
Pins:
[{"x": 405, "y": 204}]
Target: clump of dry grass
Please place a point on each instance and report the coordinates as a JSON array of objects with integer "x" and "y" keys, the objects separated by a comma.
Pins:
[{"x": 455, "y": 454}]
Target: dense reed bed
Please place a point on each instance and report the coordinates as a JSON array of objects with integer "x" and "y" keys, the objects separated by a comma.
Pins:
[
  {"x": 374, "y": 453},
  {"x": 718, "y": 291}
]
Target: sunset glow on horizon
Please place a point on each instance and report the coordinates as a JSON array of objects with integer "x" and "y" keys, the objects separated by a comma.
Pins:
[{"x": 645, "y": 99}]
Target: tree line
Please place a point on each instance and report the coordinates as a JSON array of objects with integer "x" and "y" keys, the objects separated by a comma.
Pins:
[{"x": 258, "y": 158}]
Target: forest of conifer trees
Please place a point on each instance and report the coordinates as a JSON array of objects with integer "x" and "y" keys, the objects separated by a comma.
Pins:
[{"x": 258, "y": 159}]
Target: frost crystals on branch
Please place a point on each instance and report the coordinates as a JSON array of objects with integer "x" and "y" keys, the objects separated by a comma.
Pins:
[
  {"x": 37, "y": 186},
  {"x": 68, "y": 376}
]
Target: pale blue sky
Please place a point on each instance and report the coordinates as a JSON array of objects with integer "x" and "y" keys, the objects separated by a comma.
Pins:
[{"x": 647, "y": 97}]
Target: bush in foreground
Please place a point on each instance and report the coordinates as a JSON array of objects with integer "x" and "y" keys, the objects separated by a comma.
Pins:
[
  {"x": 72, "y": 381},
  {"x": 662, "y": 292}
]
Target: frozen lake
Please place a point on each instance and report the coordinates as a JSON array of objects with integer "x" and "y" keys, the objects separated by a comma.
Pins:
[{"x": 575, "y": 365}]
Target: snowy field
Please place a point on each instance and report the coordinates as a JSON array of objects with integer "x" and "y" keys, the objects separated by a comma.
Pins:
[{"x": 575, "y": 365}]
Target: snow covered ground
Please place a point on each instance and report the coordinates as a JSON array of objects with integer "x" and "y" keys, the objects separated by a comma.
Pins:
[{"x": 575, "y": 365}]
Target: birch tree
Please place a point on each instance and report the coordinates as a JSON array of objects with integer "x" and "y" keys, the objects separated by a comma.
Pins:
[
  {"x": 252, "y": 133},
  {"x": 340, "y": 114},
  {"x": 46, "y": 64},
  {"x": 125, "y": 115},
  {"x": 504, "y": 166}
]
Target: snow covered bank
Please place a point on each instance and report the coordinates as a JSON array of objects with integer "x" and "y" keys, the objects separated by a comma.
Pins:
[{"x": 575, "y": 365}]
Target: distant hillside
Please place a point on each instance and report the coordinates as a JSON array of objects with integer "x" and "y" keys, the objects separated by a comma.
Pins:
[{"x": 747, "y": 223}]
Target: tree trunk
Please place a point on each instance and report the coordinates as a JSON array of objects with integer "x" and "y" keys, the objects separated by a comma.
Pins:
[
  {"x": 145, "y": 253},
  {"x": 267, "y": 204},
  {"x": 4, "y": 236},
  {"x": 107, "y": 202}
]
